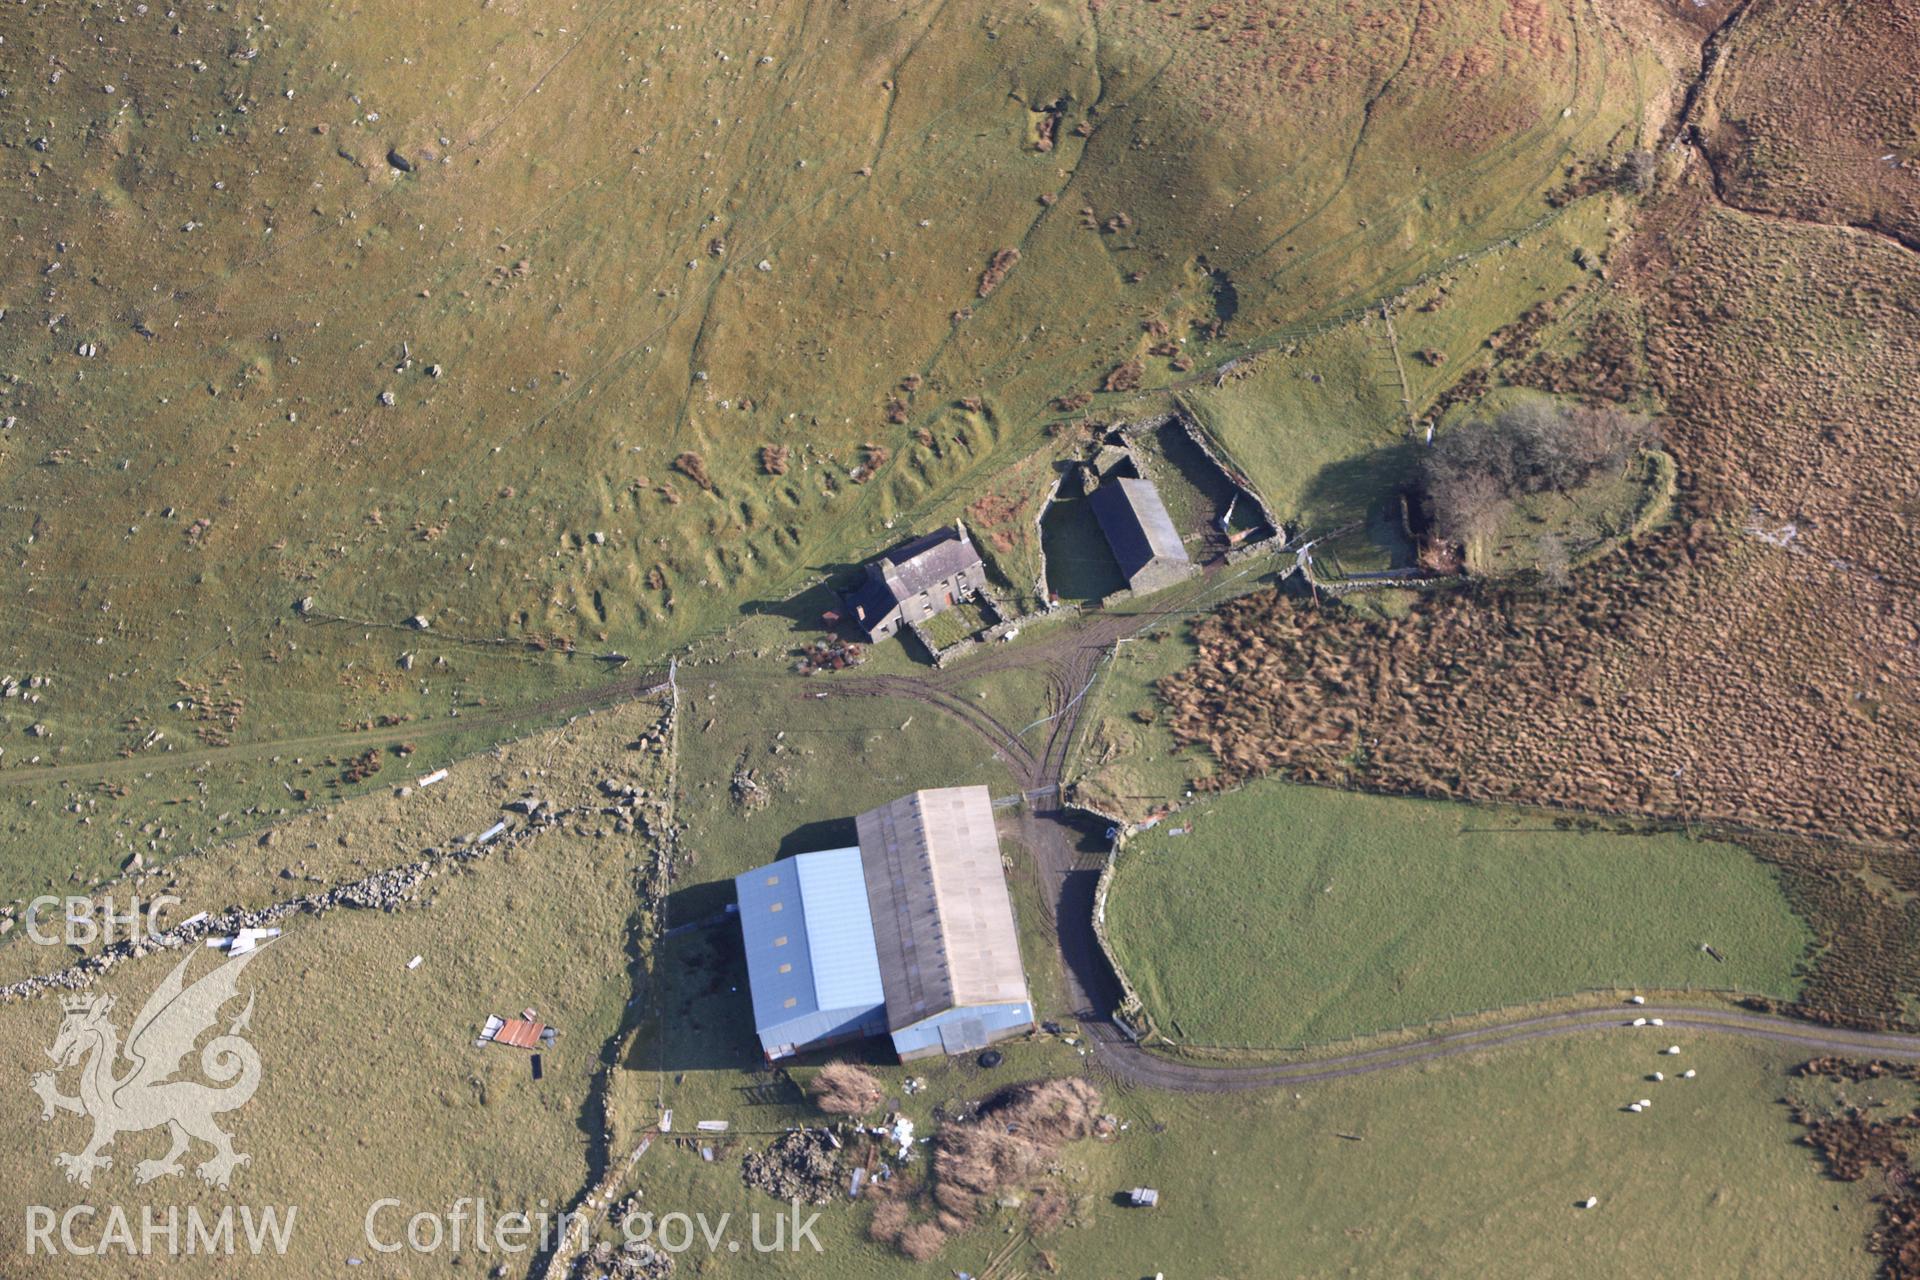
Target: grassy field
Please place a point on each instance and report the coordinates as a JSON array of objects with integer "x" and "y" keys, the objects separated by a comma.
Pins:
[
  {"x": 1319, "y": 424},
  {"x": 1127, "y": 764},
  {"x": 372, "y": 1085},
  {"x": 577, "y": 330},
  {"x": 1587, "y": 522},
  {"x": 1468, "y": 1167},
  {"x": 375, "y": 1063},
  {"x": 1347, "y": 913}
]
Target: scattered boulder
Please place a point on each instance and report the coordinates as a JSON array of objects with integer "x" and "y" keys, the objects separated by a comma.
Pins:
[
  {"x": 802, "y": 1165},
  {"x": 635, "y": 1260}
]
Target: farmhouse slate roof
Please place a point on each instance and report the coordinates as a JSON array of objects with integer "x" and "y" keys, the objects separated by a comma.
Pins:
[
  {"x": 928, "y": 559},
  {"x": 1136, "y": 524},
  {"x": 872, "y": 600}
]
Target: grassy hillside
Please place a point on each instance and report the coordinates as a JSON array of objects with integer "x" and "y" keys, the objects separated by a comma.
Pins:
[
  {"x": 1349, "y": 913},
  {"x": 674, "y": 310}
]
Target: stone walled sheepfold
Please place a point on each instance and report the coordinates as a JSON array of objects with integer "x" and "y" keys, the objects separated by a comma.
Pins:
[{"x": 909, "y": 934}]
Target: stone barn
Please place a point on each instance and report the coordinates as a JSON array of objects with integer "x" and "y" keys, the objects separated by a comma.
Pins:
[{"x": 1141, "y": 534}]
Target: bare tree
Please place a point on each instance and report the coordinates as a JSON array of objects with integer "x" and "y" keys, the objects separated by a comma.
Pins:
[
  {"x": 1638, "y": 172},
  {"x": 1550, "y": 558},
  {"x": 1473, "y": 474},
  {"x": 1467, "y": 505}
]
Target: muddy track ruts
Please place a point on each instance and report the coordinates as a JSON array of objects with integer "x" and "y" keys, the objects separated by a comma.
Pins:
[
  {"x": 1018, "y": 755},
  {"x": 1138, "y": 1066}
]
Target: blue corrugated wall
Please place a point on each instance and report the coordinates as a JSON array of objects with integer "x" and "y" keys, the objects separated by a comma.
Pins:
[{"x": 998, "y": 1020}]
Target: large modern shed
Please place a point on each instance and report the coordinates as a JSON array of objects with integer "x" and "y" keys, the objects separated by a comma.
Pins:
[
  {"x": 1141, "y": 533},
  {"x": 910, "y": 934}
]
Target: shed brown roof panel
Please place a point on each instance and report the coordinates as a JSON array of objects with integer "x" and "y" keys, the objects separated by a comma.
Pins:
[
  {"x": 942, "y": 917},
  {"x": 519, "y": 1033}
]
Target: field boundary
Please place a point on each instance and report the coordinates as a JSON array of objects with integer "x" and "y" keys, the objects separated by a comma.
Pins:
[{"x": 1432, "y": 1026}]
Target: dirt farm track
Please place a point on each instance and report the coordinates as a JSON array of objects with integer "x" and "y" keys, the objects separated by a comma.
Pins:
[{"x": 1054, "y": 834}]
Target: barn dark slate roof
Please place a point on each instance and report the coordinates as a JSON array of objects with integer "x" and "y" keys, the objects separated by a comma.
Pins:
[{"x": 1136, "y": 523}]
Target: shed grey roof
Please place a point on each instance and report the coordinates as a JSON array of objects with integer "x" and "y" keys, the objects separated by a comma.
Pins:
[
  {"x": 1136, "y": 523},
  {"x": 942, "y": 919}
]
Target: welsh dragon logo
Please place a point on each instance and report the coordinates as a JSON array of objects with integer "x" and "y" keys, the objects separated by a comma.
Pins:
[{"x": 145, "y": 1095}]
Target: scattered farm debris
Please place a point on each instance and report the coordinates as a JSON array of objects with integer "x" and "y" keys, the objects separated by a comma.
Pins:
[
  {"x": 517, "y": 1033},
  {"x": 242, "y": 942},
  {"x": 1014, "y": 1139},
  {"x": 830, "y": 656}
]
